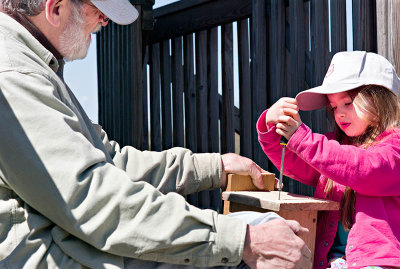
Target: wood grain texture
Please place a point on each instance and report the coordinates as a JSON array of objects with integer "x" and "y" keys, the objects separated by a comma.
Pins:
[{"x": 288, "y": 201}]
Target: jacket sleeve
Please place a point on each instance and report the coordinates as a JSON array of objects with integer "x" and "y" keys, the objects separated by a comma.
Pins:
[
  {"x": 294, "y": 166},
  {"x": 50, "y": 163},
  {"x": 173, "y": 170},
  {"x": 373, "y": 171}
]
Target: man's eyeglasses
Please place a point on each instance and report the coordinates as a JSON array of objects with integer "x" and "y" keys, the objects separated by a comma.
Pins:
[{"x": 87, "y": 2}]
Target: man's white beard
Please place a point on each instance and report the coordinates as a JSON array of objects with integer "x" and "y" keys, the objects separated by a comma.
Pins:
[{"x": 74, "y": 44}]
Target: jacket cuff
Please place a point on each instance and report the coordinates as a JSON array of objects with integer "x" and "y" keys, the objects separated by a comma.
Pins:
[
  {"x": 209, "y": 170},
  {"x": 266, "y": 132},
  {"x": 297, "y": 137},
  {"x": 231, "y": 233}
]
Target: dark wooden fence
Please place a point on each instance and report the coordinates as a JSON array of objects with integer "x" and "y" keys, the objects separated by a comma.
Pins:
[{"x": 284, "y": 47}]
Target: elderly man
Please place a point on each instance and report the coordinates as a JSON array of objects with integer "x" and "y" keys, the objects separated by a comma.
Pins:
[{"x": 70, "y": 198}]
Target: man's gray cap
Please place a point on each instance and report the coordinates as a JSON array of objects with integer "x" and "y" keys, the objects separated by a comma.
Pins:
[{"x": 119, "y": 11}]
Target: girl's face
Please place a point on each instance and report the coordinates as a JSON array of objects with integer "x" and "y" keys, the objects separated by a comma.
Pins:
[{"x": 347, "y": 116}]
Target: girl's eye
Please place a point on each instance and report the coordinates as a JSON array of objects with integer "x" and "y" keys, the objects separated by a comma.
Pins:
[{"x": 347, "y": 104}]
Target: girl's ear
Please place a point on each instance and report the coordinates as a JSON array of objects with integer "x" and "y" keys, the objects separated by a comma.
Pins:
[{"x": 54, "y": 10}]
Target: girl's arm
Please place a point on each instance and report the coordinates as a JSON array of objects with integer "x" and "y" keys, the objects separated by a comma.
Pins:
[
  {"x": 294, "y": 166},
  {"x": 373, "y": 171}
]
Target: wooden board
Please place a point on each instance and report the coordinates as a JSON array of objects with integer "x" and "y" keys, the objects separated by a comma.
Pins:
[
  {"x": 241, "y": 182},
  {"x": 288, "y": 201}
]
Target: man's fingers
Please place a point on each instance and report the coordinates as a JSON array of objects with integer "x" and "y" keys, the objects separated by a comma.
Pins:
[
  {"x": 256, "y": 176},
  {"x": 296, "y": 227}
]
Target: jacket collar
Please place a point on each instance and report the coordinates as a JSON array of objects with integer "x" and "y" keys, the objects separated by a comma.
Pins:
[{"x": 10, "y": 27}]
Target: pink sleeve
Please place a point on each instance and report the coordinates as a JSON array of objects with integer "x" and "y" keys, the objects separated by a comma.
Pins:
[
  {"x": 294, "y": 166},
  {"x": 373, "y": 171}
]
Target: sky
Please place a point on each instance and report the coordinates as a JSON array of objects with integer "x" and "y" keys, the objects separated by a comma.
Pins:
[{"x": 81, "y": 75}]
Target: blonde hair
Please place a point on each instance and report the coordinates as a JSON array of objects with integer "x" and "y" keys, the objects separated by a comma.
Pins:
[{"x": 381, "y": 109}]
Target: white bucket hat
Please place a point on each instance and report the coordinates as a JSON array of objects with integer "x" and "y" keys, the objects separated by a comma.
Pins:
[
  {"x": 350, "y": 70},
  {"x": 119, "y": 11}
]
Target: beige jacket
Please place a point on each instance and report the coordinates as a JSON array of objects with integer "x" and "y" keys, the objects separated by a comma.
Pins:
[{"x": 70, "y": 198}]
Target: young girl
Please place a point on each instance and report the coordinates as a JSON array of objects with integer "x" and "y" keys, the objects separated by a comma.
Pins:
[{"x": 358, "y": 165}]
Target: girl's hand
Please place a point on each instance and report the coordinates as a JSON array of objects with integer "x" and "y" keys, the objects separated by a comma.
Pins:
[
  {"x": 288, "y": 124},
  {"x": 284, "y": 106}
]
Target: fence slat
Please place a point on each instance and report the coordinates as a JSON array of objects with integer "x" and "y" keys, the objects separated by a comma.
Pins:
[
  {"x": 155, "y": 102},
  {"x": 177, "y": 92},
  {"x": 213, "y": 96},
  {"x": 338, "y": 26},
  {"x": 364, "y": 25},
  {"x": 320, "y": 55},
  {"x": 227, "y": 127},
  {"x": 202, "y": 90},
  {"x": 166, "y": 95},
  {"x": 259, "y": 71},
  {"x": 246, "y": 128},
  {"x": 190, "y": 94},
  {"x": 277, "y": 53},
  {"x": 145, "y": 130},
  {"x": 136, "y": 73}
]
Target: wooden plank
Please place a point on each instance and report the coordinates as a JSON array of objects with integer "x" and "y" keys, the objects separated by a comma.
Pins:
[
  {"x": 288, "y": 202},
  {"x": 177, "y": 92},
  {"x": 166, "y": 114},
  {"x": 213, "y": 96},
  {"x": 338, "y": 26},
  {"x": 246, "y": 127},
  {"x": 236, "y": 182},
  {"x": 227, "y": 127},
  {"x": 199, "y": 16},
  {"x": 202, "y": 90},
  {"x": 190, "y": 94},
  {"x": 213, "y": 108},
  {"x": 307, "y": 219},
  {"x": 277, "y": 51},
  {"x": 137, "y": 74},
  {"x": 155, "y": 96},
  {"x": 259, "y": 71},
  {"x": 382, "y": 25},
  {"x": 364, "y": 25},
  {"x": 320, "y": 55},
  {"x": 298, "y": 45}
]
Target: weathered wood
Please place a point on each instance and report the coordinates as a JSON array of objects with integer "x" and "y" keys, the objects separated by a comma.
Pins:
[
  {"x": 155, "y": 96},
  {"x": 227, "y": 127},
  {"x": 245, "y": 104},
  {"x": 338, "y": 26},
  {"x": 190, "y": 94},
  {"x": 213, "y": 108},
  {"x": 202, "y": 91},
  {"x": 364, "y": 25},
  {"x": 166, "y": 114},
  {"x": 177, "y": 92},
  {"x": 259, "y": 71},
  {"x": 288, "y": 202},
  {"x": 277, "y": 52},
  {"x": 291, "y": 207},
  {"x": 145, "y": 129},
  {"x": 182, "y": 18},
  {"x": 320, "y": 55},
  {"x": 388, "y": 39},
  {"x": 213, "y": 96}
]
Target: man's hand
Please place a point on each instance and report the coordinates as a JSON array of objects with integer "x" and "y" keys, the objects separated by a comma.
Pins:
[
  {"x": 274, "y": 244},
  {"x": 233, "y": 163}
]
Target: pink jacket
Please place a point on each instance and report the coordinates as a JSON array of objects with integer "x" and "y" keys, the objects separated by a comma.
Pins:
[{"x": 373, "y": 173}]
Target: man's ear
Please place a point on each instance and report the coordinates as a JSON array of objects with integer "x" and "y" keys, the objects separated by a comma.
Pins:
[{"x": 53, "y": 11}]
